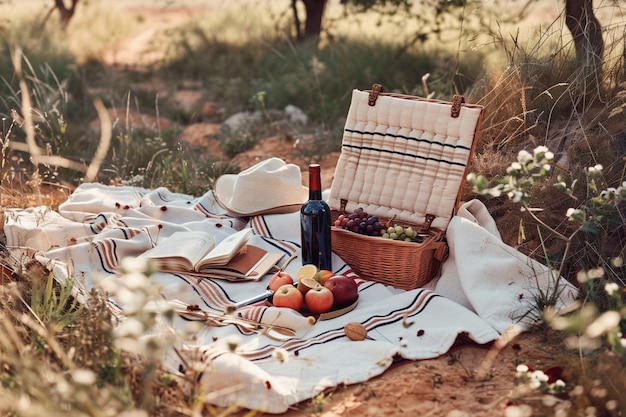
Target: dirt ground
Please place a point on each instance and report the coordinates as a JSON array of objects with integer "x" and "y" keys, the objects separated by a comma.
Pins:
[{"x": 469, "y": 380}]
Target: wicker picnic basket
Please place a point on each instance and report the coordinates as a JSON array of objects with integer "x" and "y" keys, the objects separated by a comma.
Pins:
[{"x": 403, "y": 159}]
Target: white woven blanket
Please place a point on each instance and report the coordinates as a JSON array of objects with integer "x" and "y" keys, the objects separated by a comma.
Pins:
[{"x": 478, "y": 294}]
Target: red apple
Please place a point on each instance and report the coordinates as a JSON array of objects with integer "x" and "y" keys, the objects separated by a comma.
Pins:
[
  {"x": 345, "y": 290},
  {"x": 288, "y": 296},
  {"x": 319, "y": 299},
  {"x": 279, "y": 279}
]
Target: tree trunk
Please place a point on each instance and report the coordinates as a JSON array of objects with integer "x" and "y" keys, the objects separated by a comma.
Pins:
[
  {"x": 587, "y": 35},
  {"x": 586, "y": 31},
  {"x": 314, "y": 14},
  {"x": 296, "y": 19}
]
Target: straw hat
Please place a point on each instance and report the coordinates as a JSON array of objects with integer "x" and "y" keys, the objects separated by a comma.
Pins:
[{"x": 269, "y": 187}]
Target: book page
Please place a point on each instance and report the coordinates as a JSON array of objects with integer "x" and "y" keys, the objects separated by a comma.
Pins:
[
  {"x": 226, "y": 249},
  {"x": 182, "y": 249}
]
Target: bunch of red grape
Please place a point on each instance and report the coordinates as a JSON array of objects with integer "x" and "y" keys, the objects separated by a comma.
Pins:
[{"x": 360, "y": 222}]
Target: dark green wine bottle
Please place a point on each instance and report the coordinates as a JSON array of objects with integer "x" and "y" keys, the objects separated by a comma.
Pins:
[{"x": 315, "y": 225}]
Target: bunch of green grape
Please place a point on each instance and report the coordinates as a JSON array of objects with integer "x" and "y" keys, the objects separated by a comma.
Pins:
[
  {"x": 360, "y": 222},
  {"x": 406, "y": 234}
]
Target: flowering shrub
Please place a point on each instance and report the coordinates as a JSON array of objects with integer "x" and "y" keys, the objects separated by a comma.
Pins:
[
  {"x": 548, "y": 381},
  {"x": 141, "y": 310},
  {"x": 520, "y": 177},
  {"x": 604, "y": 283}
]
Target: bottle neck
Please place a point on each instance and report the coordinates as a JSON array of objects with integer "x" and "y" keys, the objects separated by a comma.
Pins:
[{"x": 315, "y": 182}]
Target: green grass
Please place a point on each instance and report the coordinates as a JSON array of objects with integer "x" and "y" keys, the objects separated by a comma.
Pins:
[{"x": 233, "y": 66}]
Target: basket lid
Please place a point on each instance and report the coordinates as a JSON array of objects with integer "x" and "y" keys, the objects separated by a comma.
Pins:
[{"x": 404, "y": 156}]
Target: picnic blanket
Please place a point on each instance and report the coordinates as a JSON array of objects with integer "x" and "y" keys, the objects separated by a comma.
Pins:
[{"x": 484, "y": 287}]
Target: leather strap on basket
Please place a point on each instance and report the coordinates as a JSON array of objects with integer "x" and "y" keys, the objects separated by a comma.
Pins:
[
  {"x": 455, "y": 109},
  {"x": 457, "y": 101},
  {"x": 342, "y": 205},
  {"x": 428, "y": 221},
  {"x": 374, "y": 92}
]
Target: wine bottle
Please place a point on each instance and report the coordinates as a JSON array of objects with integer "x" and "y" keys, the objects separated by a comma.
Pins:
[{"x": 315, "y": 225}]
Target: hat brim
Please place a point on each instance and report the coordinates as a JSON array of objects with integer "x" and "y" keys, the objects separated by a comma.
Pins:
[{"x": 223, "y": 192}]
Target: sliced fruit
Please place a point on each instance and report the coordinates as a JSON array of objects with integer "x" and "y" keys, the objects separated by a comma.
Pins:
[
  {"x": 305, "y": 284},
  {"x": 306, "y": 271}
]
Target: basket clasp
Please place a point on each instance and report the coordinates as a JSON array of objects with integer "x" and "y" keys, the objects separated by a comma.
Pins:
[
  {"x": 455, "y": 110},
  {"x": 374, "y": 92}
]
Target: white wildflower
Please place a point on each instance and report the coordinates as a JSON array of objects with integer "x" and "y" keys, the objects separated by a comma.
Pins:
[
  {"x": 109, "y": 284},
  {"x": 603, "y": 324},
  {"x": 516, "y": 196},
  {"x": 549, "y": 400},
  {"x": 591, "y": 411},
  {"x": 83, "y": 376},
  {"x": 611, "y": 405},
  {"x": 524, "y": 157},
  {"x": 596, "y": 272},
  {"x": 130, "y": 327},
  {"x": 582, "y": 277},
  {"x": 595, "y": 169},
  {"x": 543, "y": 156},
  {"x": 137, "y": 281},
  {"x": 523, "y": 410},
  {"x": 539, "y": 376},
  {"x": 582, "y": 343},
  {"x": 609, "y": 193},
  {"x": 134, "y": 413},
  {"x": 562, "y": 409},
  {"x": 599, "y": 392},
  {"x": 575, "y": 214},
  {"x": 131, "y": 264},
  {"x": 611, "y": 288},
  {"x": 131, "y": 301}
]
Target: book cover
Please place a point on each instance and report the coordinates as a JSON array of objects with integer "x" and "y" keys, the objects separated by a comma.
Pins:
[{"x": 252, "y": 263}]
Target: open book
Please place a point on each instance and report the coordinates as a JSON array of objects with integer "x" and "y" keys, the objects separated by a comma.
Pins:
[{"x": 196, "y": 253}]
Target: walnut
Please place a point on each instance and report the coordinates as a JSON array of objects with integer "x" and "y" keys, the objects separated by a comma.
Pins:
[{"x": 355, "y": 331}]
